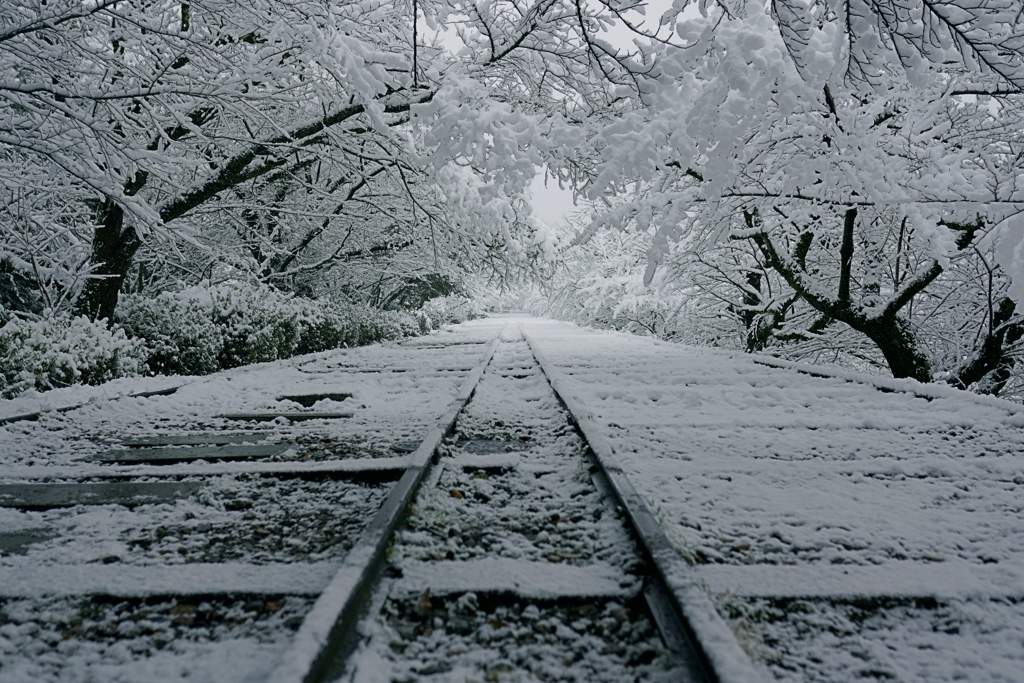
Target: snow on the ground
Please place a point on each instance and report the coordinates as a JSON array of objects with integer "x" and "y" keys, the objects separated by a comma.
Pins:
[
  {"x": 399, "y": 390},
  {"x": 541, "y": 510},
  {"x": 124, "y": 641},
  {"x": 844, "y": 531},
  {"x": 484, "y": 552},
  {"x": 397, "y": 394},
  {"x": 751, "y": 466}
]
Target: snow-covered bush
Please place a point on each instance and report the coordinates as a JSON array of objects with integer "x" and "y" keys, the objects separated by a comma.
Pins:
[
  {"x": 59, "y": 350},
  {"x": 329, "y": 325},
  {"x": 257, "y": 324},
  {"x": 369, "y": 325},
  {"x": 178, "y": 329},
  {"x": 200, "y": 330},
  {"x": 449, "y": 310}
]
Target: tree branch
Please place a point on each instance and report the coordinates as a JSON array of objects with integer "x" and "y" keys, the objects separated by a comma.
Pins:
[
  {"x": 912, "y": 288},
  {"x": 846, "y": 256},
  {"x": 233, "y": 171}
]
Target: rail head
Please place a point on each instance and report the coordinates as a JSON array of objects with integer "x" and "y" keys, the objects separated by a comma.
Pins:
[
  {"x": 328, "y": 633},
  {"x": 720, "y": 654}
]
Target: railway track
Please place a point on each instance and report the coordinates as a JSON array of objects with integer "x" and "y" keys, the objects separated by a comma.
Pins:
[{"x": 311, "y": 540}]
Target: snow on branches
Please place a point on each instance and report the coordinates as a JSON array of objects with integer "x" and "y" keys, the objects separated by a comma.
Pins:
[{"x": 855, "y": 194}]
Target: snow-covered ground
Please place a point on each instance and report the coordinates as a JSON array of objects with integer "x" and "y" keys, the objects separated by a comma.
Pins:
[
  {"x": 398, "y": 390},
  {"x": 845, "y": 531},
  {"x": 488, "y": 544},
  {"x": 239, "y": 530}
]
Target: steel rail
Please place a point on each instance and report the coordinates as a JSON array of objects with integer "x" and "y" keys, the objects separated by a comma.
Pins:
[
  {"x": 328, "y": 633},
  {"x": 689, "y": 623}
]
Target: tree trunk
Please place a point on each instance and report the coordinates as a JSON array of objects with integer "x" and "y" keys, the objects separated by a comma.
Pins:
[
  {"x": 892, "y": 334},
  {"x": 113, "y": 248},
  {"x": 898, "y": 345},
  {"x": 991, "y": 365}
]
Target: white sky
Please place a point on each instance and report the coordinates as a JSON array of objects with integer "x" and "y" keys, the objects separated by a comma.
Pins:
[{"x": 551, "y": 204}]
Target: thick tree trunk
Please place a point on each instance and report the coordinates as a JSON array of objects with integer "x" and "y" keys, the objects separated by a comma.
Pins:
[
  {"x": 898, "y": 345},
  {"x": 990, "y": 366},
  {"x": 892, "y": 334},
  {"x": 113, "y": 248}
]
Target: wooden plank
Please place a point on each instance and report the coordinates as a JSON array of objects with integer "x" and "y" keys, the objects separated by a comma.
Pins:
[
  {"x": 292, "y": 416},
  {"x": 952, "y": 579},
  {"x": 357, "y": 369},
  {"x": 48, "y": 496},
  {"x": 171, "y": 454},
  {"x": 524, "y": 579},
  {"x": 209, "y": 439},
  {"x": 63, "y": 409},
  {"x": 19, "y": 418},
  {"x": 17, "y": 542},
  {"x": 490, "y": 446},
  {"x": 381, "y": 469},
  {"x": 35, "y": 416},
  {"x": 155, "y": 392},
  {"x": 24, "y": 578},
  {"x": 308, "y": 400}
]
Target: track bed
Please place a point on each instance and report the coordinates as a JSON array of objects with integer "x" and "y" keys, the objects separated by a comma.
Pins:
[{"x": 512, "y": 564}]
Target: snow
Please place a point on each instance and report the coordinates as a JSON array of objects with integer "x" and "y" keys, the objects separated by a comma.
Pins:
[
  {"x": 842, "y": 525},
  {"x": 66, "y": 639},
  {"x": 233, "y": 518},
  {"x": 240, "y": 530},
  {"x": 770, "y": 480},
  {"x": 389, "y": 406},
  {"x": 492, "y": 539},
  {"x": 321, "y": 623},
  {"x": 532, "y": 580},
  {"x": 910, "y": 640}
]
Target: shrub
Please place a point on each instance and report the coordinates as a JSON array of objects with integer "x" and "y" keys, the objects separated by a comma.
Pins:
[
  {"x": 204, "y": 329},
  {"x": 196, "y": 331},
  {"x": 448, "y": 310},
  {"x": 59, "y": 350},
  {"x": 258, "y": 324},
  {"x": 178, "y": 330},
  {"x": 330, "y": 325}
]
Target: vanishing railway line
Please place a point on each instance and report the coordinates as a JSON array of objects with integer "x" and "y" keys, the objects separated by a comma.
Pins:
[
  {"x": 454, "y": 508},
  {"x": 501, "y": 542}
]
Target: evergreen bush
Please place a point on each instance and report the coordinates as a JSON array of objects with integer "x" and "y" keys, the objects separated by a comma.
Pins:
[
  {"x": 200, "y": 330},
  {"x": 59, "y": 350},
  {"x": 448, "y": 310}
]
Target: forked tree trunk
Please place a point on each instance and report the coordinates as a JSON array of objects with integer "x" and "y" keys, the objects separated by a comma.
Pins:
[
  {"x": 892, "y": 334},
  {"x": 898, "y": 344}
]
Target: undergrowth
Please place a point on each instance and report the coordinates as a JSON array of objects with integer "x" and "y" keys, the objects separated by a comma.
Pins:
[{"x": 198, "y": 331}]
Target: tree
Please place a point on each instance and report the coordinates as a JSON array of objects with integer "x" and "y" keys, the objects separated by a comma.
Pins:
[
  {"x": 295, "y": 139},
  {"x": 818, "y": 175},
  {"x": 168, "y": 120},
  {"x": 151, "y": 110}
]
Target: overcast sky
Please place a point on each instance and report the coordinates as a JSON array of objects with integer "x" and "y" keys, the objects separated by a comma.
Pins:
[{"x": 550, "y": 203}]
